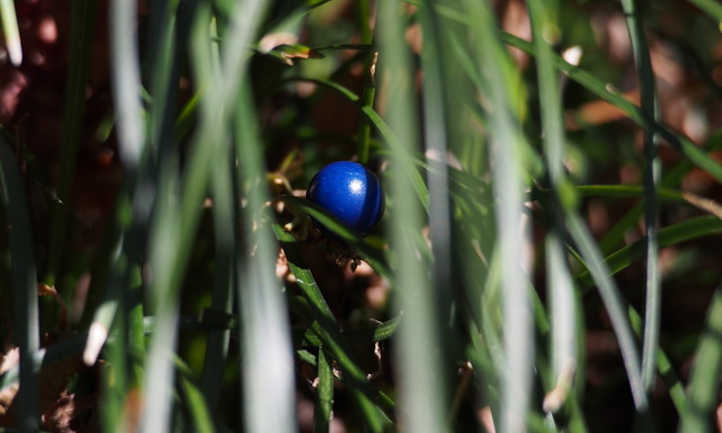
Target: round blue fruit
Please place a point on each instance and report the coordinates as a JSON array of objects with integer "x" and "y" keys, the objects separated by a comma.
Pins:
[{"x": 349, "y": 192}]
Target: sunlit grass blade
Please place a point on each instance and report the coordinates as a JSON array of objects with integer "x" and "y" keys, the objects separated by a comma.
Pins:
[
  {"x": 702, "y": 393},
  {"x": 418, "y": 362},
  {"x": 24, "y": 281},
  {"x": 10, "y": 31},
  {"x": 652, "y": 169}
]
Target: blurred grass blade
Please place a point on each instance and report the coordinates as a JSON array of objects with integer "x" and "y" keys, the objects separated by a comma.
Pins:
[
  {"x": 704, "y": 382},
  {"x": 711, "y": 7},
  {"x": 105, "y": 313},
  {"x": 651, "y": 179},
  {"x": 559, "y": 281},
  {"x": 224, "y": 226},
  {"x": 224, "y": 277},
  {"x": 545, "y": 33},
  {"x": 200, "y": 412},
  {"x": 10, "y": 30},
  {"x": 418, "y": 348},
  {"x": 564, "y": 338},
  {"x": 612, "y": 302},
  {"x": 24, "y": 281},
  {"x": 267, "y": 361},
  {"x": 506, "y": 162},
  {"x": 125, "y": 72},
  {"x": 435, "y": 139},
  {"x": 176, "y": 223},
  {"x": 268, "y": 380},
  {"x": 159, "y": 378}
]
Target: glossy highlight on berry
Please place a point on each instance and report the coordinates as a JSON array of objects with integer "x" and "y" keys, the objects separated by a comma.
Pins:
[{"x": 350, "y": 192}]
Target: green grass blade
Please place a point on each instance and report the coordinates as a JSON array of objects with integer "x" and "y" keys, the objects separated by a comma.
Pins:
[
  {"x": 711, "y": 8},
  {"x": 422, "y": 388},
  {"x": 24, "y": 281},
  {"x": 397, "y": 145},
  {"x": 164, "y": 60},
  {"x": 704, "y": 382},
  {"x": 617, "y": 312},
  {"x": 115, "y": 378},
  {"x": 602, "y": 90},
  {"x": 325, "y": 327},
  {"x": 686, "y": 230},
  {"x": 200, "y": 413},
  {"x": 664, "y": 366},
  {"x": 81, "y": 36},
  {"x": 10, "y": 31},
  {"x": 564, "y": 327},
  {"x": 626, "y": 191},
  {"x": 559, "y": 281},
  {"x": 324, "y": 395},
  {"x": 368, "y": 251},
  {"x": 651, "y": 179},
  {"x": 386, "y": 132},
  {"x": 224, "y": 223},
  {"x": 671, "y": 178},
  {"x": 369, "y": 92}
]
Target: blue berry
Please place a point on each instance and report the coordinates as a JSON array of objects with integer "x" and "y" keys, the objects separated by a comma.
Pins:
[{"x": 349, "y": 192}]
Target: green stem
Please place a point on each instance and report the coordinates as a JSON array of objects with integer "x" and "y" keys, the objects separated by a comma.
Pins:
[{"x": 651, "y": 179}]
